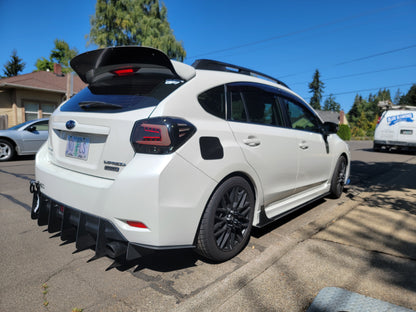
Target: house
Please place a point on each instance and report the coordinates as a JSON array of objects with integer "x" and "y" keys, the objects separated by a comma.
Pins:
[
  {"x": 335, "y": 117},
  {"x": 35, "y": 95}
]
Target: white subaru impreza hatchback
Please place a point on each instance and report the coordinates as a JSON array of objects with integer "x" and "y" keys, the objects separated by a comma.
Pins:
[{"x": 155, "y": 154}]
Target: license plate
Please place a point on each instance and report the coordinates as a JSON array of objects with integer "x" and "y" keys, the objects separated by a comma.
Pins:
[
  {"x": 406, "y": 131},
  {"x": 77, "y": 147}
]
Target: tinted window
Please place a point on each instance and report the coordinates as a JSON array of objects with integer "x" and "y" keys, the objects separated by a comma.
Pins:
[
  {"x": 41, "y": 125},
  {"x": 120, "y": 94},
  {"x": 300, "y": 117},
  {"x": 213, "y": 101},
  {"x": 238, "y": 112},
  {"x": 255, "y": 105}
]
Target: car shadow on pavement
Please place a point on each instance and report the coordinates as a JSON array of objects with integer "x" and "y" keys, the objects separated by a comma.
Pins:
[{"x": 160, "y": 261}]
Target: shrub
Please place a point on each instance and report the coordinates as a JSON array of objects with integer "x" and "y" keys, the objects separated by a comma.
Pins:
[{"x": 344, "y": 132}]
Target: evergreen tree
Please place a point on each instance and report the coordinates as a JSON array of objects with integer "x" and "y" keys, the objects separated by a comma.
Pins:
[
  {"x": 134, "y": 22},
  {"x": 331, "y": 105},
  {"x": 356, "y": 109},
  {"x": 14, "y": 66},
  {"x": 61, "y": 54},
  {"x": 397, "y": 97},
  {"x": 410, "y": 97},
  {"x": 316, "y": 87}
]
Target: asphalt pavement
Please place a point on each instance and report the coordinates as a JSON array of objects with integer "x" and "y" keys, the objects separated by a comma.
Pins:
[{"x": 366, "y": 246}]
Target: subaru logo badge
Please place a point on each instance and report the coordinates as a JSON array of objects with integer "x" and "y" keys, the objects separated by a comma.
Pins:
[{"x": 70, "y": 124}]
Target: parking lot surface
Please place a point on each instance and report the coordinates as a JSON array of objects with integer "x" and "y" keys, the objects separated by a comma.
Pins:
[{"x": 329, "y": 243}]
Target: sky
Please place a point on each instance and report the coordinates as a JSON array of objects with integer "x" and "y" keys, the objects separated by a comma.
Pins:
[{"x": 358, "y": 46}]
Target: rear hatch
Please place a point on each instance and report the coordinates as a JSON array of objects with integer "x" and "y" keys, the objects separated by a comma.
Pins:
[{"x": 90, "y": 133}]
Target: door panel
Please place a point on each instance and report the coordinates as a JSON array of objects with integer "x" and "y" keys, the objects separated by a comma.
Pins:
[
  {"x": 273, "y": 153},
  {"x": 33, "y": 140},
  {"x": 314, "y": 158}
]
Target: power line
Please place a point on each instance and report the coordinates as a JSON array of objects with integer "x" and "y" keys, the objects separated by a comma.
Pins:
[
  {"x": 370, "y": 89},
  {"x": 307, "y": 29},
  {"x": 375, "y": 55},
  {"x": 359, "y": 74},
  {"x": 355, "y": 60}
]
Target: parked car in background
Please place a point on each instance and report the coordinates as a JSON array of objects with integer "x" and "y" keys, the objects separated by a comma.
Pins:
[
  {"x": 396, "y": 129},
  {"x": 156, "y": 154},
  {"x": 23, "y": 139}
]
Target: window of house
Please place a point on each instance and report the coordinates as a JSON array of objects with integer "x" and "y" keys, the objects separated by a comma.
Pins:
[
  {"x": 47, "y": 110},
  {"x": 31, "y": 111},
  {"x": 35, "y": 110}
]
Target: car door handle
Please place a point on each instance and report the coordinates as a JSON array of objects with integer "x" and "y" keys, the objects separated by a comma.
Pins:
[
  {"x": 303, "y": 145},
  {"x": 252, "y": 141}
]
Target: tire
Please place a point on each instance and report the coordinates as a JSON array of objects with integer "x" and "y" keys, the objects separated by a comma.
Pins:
[
  {"x": 376, "y": 147},
  {"x": 7, "y": 151},
  {"x": 338, "y": 178},
  {"x": 227, "y": 220}
]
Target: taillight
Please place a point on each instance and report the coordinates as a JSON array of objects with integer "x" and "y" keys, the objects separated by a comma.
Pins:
[{"x": 160, "y": 135}]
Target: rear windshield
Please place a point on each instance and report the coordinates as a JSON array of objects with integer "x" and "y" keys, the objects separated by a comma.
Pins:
[{"x": 121, "y": 94}]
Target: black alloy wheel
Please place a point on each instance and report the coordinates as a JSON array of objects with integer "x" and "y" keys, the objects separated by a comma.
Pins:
[
  {"x": 227, "y": 220},
  {"x": 338, "y": 178}
]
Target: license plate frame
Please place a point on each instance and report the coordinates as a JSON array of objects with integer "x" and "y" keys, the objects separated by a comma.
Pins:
[{"x": 77, "y": 147}]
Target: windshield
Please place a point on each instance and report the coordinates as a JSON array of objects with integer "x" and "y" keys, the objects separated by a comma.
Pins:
[{"x": 120, "y": 94}]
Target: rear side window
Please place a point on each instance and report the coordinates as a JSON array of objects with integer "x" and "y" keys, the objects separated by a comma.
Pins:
[
  {"x": 120, "y": 94},
  {"x": 213, "y": 101}
]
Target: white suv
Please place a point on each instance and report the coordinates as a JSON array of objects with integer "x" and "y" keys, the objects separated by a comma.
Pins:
[{"x": 157, "y": 154}]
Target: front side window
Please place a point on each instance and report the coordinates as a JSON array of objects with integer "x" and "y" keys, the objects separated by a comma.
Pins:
[
  {"x": 41, "y": 125},
  {"x": 300, "y": 117}
]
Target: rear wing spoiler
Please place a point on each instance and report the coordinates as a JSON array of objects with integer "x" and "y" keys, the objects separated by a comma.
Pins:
[{"x": 90, "y": 65}]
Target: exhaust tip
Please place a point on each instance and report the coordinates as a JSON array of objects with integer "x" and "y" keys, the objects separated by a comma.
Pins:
[{"x": 115, "y": 249}]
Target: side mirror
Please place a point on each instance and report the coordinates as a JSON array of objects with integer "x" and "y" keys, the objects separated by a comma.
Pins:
[{"x": 329, "y": 128}]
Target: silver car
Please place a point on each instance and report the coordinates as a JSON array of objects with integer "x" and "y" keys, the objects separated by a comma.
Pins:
[{"x": 23, "y": 139}]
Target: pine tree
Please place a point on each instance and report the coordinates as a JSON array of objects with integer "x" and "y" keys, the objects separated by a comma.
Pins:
[
  {"x": 331, "y": 105},
  {"x": 410, "y": 97},
  {"x": 14, "y": 66},
  {"x": 134, "y": 22},
  {"x": 316, "y": 87}
]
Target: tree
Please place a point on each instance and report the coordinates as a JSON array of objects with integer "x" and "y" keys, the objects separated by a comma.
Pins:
[
  {"x": 398, "y": 95},
  {"x": 60, "y": 54},
  {"x": 134, "y": 22},
  {"x": 14, "y": 66},
  {"x": 42, "y": 64},
  {"x": 331, "y": 105},
  {"x": 410, "y": 97},
  {"x": 317, "y": 88}
]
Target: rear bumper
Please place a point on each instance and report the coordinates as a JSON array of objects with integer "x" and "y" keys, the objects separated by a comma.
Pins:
[
  {"x": 395, "y": 143},
  {"x": 165, "y": 193},
  {"x": 86, "y": 230}
]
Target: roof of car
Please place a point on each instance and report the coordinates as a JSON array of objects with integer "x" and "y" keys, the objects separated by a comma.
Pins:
[{"x": 227, "y": 67}]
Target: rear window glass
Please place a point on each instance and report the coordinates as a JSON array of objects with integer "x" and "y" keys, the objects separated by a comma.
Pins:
[
  {"x": 120, "y": 94},
  {"x": 213, "y": 101}
]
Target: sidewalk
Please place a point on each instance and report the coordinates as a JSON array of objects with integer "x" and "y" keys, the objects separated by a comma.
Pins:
[{"x": 368, "y": 247}]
